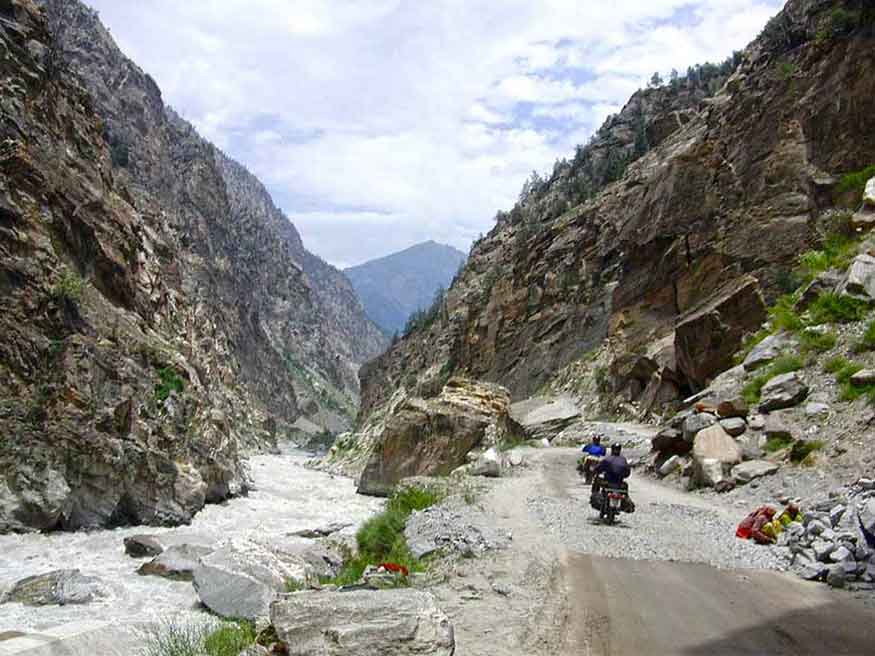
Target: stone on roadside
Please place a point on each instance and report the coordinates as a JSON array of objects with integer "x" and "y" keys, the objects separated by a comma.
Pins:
[
  {"x": 735, "y": 407},
  {"x": 489, "y": 464},
  {"x": 670, "y": 466},
  {"x": 756, "y": 422},
  {"x": 866, "y": 520},
  {"x": 823, "y": 549},
  {"x": 812, "y": 571},
  {"x": 748, "y": 471},
  {"x": 177, "y": 562},
  {"x": 714, "y": 444},
  {"x": 399, "y": 622},
  {"x": 766, "y": 351},
  {"x": 697, "y": 422},
  {"x": 240, "y": 579},
  {"x": 776, "y": 428},
  {"x": 836, "y": 576},
  {"x": 784, "y": 391},
  {"x": 58, "y": 588},
  {"x": 735, "y": 426},
  {"x": 143, "y": 546},
  {"x": 836, "y": 514},
  {"x": 515, "y": 458}
]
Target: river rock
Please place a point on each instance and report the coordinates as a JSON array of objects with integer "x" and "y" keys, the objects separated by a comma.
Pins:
[
  {"x": 240, "y": 579},
  {"x": 177, "y": 562},
  {"x": 783, "y": 391},
  {"x": 747, "y": 471},
  {"x": 697, "y": 422},
  {"x": 735, "y": 426},
  {"x": 58, "y": 588},
  {"x": 859, "y": 281},
  {"x": 142, "y": 546},
  {"x": 766, "y": 351},
  {"x": 544, "y": 418},
  {"x": 400, "y": 622},
  {"x": 419, "y": 437}
]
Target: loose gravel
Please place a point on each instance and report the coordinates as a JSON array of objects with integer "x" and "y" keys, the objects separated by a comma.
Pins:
[{"x": 656, "y": 531}]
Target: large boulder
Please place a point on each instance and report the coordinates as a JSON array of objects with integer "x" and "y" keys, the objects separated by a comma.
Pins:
[
  {"x": 490, "y": 464},
  {"x": 784, "y": 391},
  {"x": 735, "y": 426},
  {"x": 714, "y": 444},
  {"x": 58, "y": 588},
  {"x": 747, "y": 471},
  {"x": 859, "y": 281},
  {"x": 670, "y": 441},
  {"x": 544, "y": 418},
  {"x": 400, "y": 622},
  {"x": 431, "y": 437},
  {"x": 697, "y": 422},
  {"x": 869, "y": 195},
  {"x": 866, "y": 519},
  {"x": 707, "y": 337},
  {"x": 241, "y": 579}
]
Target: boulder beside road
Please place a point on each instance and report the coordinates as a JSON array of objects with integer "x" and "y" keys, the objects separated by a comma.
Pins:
[{"x": 399, "y": 622}]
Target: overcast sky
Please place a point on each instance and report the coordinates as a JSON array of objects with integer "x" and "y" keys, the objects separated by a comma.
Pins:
[{"x": 379, "y": 124}]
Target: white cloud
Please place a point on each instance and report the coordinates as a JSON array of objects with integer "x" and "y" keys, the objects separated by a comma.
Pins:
[{"x": 381, "y": 123}]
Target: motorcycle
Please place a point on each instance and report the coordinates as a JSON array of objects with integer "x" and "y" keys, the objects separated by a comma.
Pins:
[{"x": 610, "y": 501}]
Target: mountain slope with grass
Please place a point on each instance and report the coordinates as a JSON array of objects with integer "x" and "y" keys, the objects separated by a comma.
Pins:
[{"x": 394, "y": 287}]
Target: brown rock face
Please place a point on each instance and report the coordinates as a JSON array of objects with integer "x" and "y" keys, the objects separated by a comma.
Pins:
[
  {"x": 707, "y": 337},
  {"x": 735, "y": 190},
  {"x": 155, "y": 326},
  {"x": 431, "y": 437}
]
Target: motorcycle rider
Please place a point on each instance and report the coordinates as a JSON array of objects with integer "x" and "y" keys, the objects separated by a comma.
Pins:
[
  {"x": 592, "y": 455},
  {"x": 615, "y": 470}
]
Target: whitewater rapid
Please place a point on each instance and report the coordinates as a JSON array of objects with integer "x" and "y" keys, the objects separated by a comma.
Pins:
[{"x": 287, "y": 497}]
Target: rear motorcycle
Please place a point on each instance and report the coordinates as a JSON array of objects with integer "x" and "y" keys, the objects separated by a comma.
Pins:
[{"x": 610, "y": 501}]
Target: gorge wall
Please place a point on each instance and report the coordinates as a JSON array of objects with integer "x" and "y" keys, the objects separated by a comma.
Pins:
[
  {"x": 679, "y": 219},
  {"x": 160, "y": 316}
]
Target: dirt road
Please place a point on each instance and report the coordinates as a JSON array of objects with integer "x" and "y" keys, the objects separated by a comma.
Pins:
[{"x": 645, "y": 586}]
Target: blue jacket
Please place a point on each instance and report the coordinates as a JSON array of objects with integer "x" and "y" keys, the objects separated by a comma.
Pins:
[{"x": 594, "y": 450}]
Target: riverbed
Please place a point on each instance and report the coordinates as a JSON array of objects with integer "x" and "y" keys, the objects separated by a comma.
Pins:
[{"x": 287, "y": 497}]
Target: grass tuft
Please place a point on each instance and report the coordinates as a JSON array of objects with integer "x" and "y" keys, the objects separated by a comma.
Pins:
[
  {"x": 783, "y": 365},
  {"x": 778, "y": 443},
  {"x": 856, "y": 181},
  {"x": 833, "y": 308},
  {"x": 200, "y": 639},
  {"x": 813, "y": 342},
  {"x": 867, "y": 341},
  {"x": 802, "y": 451}
]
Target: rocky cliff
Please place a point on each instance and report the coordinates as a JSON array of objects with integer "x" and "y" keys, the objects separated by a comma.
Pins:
[
  {"x": 157, "y": 323},
  {"x": 606, "y": 275}
]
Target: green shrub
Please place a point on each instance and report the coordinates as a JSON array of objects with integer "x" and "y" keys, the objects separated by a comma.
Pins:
[
  {"x": 411, "y": 497},
  {"x": 787, "y": 69},
  {"x": 294, "y": 585},
  {"x": 816, "y": 342},
  {"x": 69, "y": 287},
  {"x": 783, "y": 316},
  {"x": 170, "y": 382},
  {"x": 803, "y": 449},
  {"x": 832, "y": 308},
  {"x": 783, "y": 365},
  {"x": 200, "y": 639},
  {"x": 778, "y": 443},
  {"x": 856, "y": 181},
  {"x": 837, "y": 252},
  {"x": 230, "y": 639},
  {"x": 867, "y": 341},
  {"x": 835, "y": 364}
]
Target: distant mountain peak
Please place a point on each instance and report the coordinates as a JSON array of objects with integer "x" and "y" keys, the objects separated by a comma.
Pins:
[{"x": 395, "y": 286}]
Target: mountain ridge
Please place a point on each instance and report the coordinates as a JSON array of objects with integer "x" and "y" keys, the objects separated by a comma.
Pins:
[{"x": 395, "y": 286}]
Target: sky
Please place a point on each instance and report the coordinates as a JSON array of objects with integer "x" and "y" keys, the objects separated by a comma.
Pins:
[{"x": 377, "y": 124}]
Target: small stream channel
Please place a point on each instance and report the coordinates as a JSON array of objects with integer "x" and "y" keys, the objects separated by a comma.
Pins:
[{"x": 288, "y": 497}]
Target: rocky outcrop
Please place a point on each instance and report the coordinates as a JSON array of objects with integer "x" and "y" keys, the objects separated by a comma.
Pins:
[
  {"x": 544, "y": 418},
  {"x": 420, "y": 437},
  {"x": 154, "y": 319},
  {"x": 721, "y": 205},
  {"x": 784, "y": 391},
  {"x": 398, "y": 622}
]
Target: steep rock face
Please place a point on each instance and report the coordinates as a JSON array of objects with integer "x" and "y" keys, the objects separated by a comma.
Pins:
[
  {"x": 737, "y": 190},
  {"x": 394, "y": 287},
  {"x": 148, "y": 322}
]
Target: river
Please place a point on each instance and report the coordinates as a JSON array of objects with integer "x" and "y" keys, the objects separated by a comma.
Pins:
[{"x": 287, "y": 497}]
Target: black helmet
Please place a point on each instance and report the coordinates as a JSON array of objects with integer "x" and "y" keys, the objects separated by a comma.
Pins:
[
  {"x": 616, "y": 447},
  {"x": 596, "y": 439}
]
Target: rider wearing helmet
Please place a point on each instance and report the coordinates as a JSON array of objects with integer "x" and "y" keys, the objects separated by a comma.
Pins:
[
  {"x": 595, "y": 448},
  {"x": 614, "y": 467}
]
